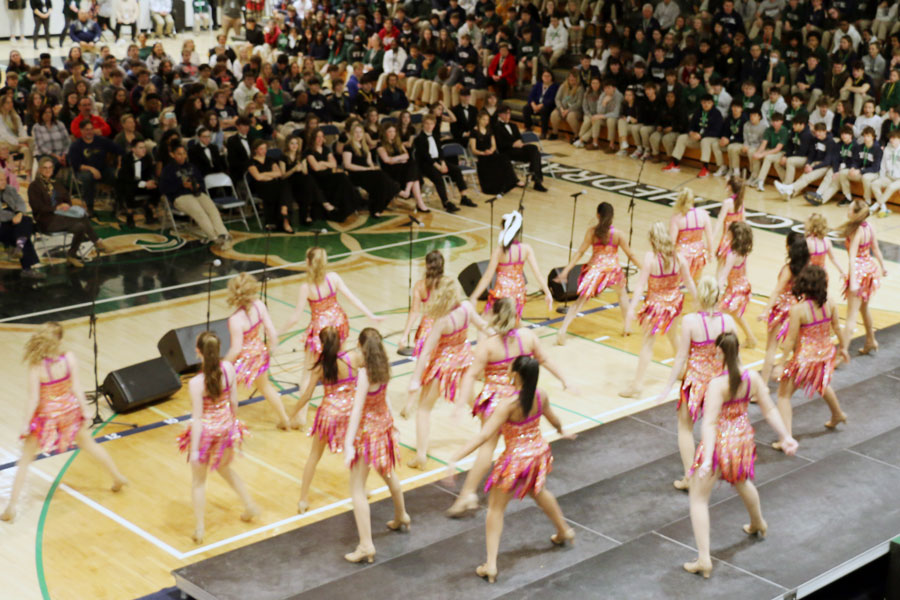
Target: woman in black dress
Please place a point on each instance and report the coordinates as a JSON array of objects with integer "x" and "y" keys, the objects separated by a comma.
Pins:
[
  {"x": 406, "y": 130},
  {"x": 495, "y": 173},
  {"x": 266, "y": 182},
  {"x": 309, "y": 198},
  {"x": 395, "y": 161},
  {"x": 336, "y": 185},
  {"x": 363, "y": 173}
]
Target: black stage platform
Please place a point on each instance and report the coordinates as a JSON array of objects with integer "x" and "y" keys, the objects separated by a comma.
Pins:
[{"x": 830, "y": 510}]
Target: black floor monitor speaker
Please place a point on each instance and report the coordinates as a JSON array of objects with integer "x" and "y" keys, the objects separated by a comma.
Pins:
[
  {"x": 141, "y": 384},
  {"x": 178, "y": 345},
  {"x": 470, "y": 276},
  {"x": 570, "y": 292}
]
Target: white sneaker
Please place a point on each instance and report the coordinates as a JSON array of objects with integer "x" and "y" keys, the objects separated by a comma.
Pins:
[
  {"x": 722, "y": 171},
  {"x": 578, "y": 143},
  {"x": 780, "y": 187},
  {"x": 622, "y": 152},
  {"x": 637, "y": 154},
  {"x": 735, "y": 172},
  {"x": 759, "y": 185},
  {"x": 787, "y": 190}
]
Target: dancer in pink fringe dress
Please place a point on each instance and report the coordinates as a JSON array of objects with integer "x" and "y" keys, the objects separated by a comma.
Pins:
[
  {"x": 691, "y": 229},
  {"x": 733, "y": 279},
  {"x": 249, "y": 352},
  {"x": 57, "y": 414}
]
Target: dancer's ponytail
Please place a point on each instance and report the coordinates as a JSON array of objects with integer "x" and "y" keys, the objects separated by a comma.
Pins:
[
  {"x": 527, "y": 369},
  {"x": 208, "y": 345},
  {"x": 331, "y": 345},
  {"x": 434, "y": 269},
  {"x": 728, "y": 343},
  {"x": 605, "y": 215}
]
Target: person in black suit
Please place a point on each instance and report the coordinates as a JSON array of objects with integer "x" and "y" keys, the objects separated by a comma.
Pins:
[
  {"x": 238, "y": 149},
  {"x": 41, "y": 10},
  {"x": 205, "y": 155},
  {"x": 432, "y": 165},
  {"x": 137, "y": 183},
  {"x": 509, "y": 143},
  {"x": 466, "y": 118}
]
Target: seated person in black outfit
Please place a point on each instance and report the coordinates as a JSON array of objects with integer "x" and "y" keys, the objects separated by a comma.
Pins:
[
  {"x": 89, "y": 159},
  {"x": 509, "y": 143},
  {"x": 49, "y": 200},
  {"x": 205, "y": 155},
  {"x": 138, "y": 187},
  {"x": 433, "y": 166},
  {"x": 266, "y": 182},
  {"x": 238, "y": 147},
  {"x": 466, "y": 118},
  {"x": 16, "y": 229}
]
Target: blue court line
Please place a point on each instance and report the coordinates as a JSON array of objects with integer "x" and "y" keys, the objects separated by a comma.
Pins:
[{"x": 290, "y": 390}]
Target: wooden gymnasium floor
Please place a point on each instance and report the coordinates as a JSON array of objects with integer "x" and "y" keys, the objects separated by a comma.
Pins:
[{"x": 73, "y": 539}]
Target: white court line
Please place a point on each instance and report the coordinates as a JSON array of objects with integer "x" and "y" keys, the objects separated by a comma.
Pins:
[
  {"x": 758, "y": 301},
  {"x": 602, "y": 338},
  {"x": 227, "y": 277}
]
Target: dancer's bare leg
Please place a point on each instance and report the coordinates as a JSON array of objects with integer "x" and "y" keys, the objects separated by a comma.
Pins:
[
  {"x": 493, "y": 527},
  {"x": 750, "y": 340},
  {"x": 264, "y": 385},
  {"x": 700, "y": 490},
  {"x": 401, "y": 519},
  {"x": 87, "y": 443},
  {"x": 571, "y": 313},
  {"x": 309, "y": 470},
  {"x": 547, "y": 502},
  {"x": 634, "y": 390},
  {"x": 685, "y": 444},
  {"x": 468, "y": 498},
  {"x": 237, "y": 484},
  {"x": 427, "y": 397},
  {"x": 198, "y": 498},
  {"x": 837, "y": 415},
  {"x": 785, "y": 390},
  {"x": 747, "y": 491},
  {"x": 870, "y": 344},
  {"x": 358, "y": 473},
  {"x": 29, "y": 450},
  {"x": 771, "y": 351},
  {"x": 850, "y": 324},
  {"x": 624, "y": 303}
]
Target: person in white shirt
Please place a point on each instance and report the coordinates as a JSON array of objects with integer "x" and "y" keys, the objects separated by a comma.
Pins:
[
  {"x": 666, "y": 12},
  {"x": 775, "y": 104},
  {"x": 845, "y": 29},
  {"x": 888, "y": 182},
  {"x": 822, "y": 114},
  {"x": 556, "y": 42},
  {"x": 868, "y": 118},
  {"x": 393, "y": 62},
  {"x": 469, "y": 27},
  {"x": 161, "y": 13},
  {"x": 245, "y": 91},
  {"x": 721, "y": 98}
]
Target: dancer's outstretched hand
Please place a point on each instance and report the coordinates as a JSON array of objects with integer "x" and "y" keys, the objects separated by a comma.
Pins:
[
  {"x": 789, "y": 446},
  {"x": 705, "y": 468}
]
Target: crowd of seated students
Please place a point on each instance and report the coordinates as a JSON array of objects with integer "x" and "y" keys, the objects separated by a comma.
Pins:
[{"x": 753, "y": 84}]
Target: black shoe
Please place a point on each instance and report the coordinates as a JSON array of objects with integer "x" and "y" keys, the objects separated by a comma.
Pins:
[
  {"x": 539, "y": 187},
  {"x": 466, "y": 202},
  {"x": 129, "y": 221},
  {"x": 32, "y": 274},
  {"x": 844, "y": 201},
  {"x": 451, "y": 208},
  {"x": 150, "y": 218},
  {"x": 813, "y": 198}
]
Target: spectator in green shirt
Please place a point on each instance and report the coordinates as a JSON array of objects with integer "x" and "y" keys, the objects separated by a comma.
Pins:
[
  {"x": 692, "y": 93},
  {"x": 890, "y": 92},
  {"x": 770, "y": 152}
]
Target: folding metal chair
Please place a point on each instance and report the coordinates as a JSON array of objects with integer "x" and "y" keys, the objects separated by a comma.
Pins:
[
  {"x": 221, "y": 190},
  {"x": 454, "y": 150}
]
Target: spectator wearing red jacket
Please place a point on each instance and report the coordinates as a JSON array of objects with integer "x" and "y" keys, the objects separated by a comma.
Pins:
[
  {"x": 388, "y": 35},
  {"x": 502, "y": 71},
  {"x": 85, "y": 106}
]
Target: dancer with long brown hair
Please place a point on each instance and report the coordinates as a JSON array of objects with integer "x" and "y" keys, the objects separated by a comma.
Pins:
[
  {"x": 811, "y": 365},
  {"x": 336, "y": 370},
  {"x": 733, "y": 279},
  {"x": 663, "y": 270},
  {"x": 602, "y": 270},
  {"x": 691, "y": 230},
  {"x": 526, "y": 461},
  {"x": 864, "y": 273},
  {"x": 492, "y": 359},
  {"x": 727, "y": 450},
  {"x": 508, "y": 263},
  {"x": 444, "y": 358},
  {"x": 371, "y": 443},
  {"x": 215, "y": 431},
  {"x": 249, "y": 351},
  {"x": 696, "y": 359},
  {"x": 57, "y": 414},
  {"x": 324, "y": 308},
  {"x": 777, "y": 311},
  {"x": 731, "y": 211}
]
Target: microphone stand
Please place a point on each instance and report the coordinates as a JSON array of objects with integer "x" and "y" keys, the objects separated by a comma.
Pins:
[
  {"x": 491, "y": 234},
  {"x": 565, "y": 284},
  {"x": 94, "y": 397},
  {"x": 406, "y": 349},
  {"x": 631, "y": 205},
  {"x": 264, "y": 288},
  {"x": 209, "y": 270},
  {"x": 522, "y": 206}
]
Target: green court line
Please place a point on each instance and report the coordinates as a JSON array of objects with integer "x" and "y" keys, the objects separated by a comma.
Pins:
[{"x": 39, "y": 537}]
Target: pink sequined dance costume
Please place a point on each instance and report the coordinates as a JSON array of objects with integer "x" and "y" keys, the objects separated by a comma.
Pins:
[
  {"x": 735, "y": 452},
  {"x": 702, "y": 367},
  {"x": 664, "y": 299},
  {"x": 253, "y": 359},
  {"x": 375, "y": 442},
  {"x": 867, "y": 271},
  {"x": 737, "y": 289},
  {"x": 725, "y": 243},
  {"x": 326, "y": 312},
  {"x": 778, "y": 317},
  {"x": 449, "y": 360},
  {"x": 523, "y": 467},
  {"x": 221, "y": 429},
  {"x": 497, "y": 382},
  {"x": 812, "y": 365},
  {"x": 423, "y": 330},
  {"x": 689, "y": 243},
  {"x": 333, "y": 414},
  {"x": 510, "y": 281},
  {"x": 602, "y": 270},
  {"x": 58, "y": 417},
  {"x": 818, "y": 252}
]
